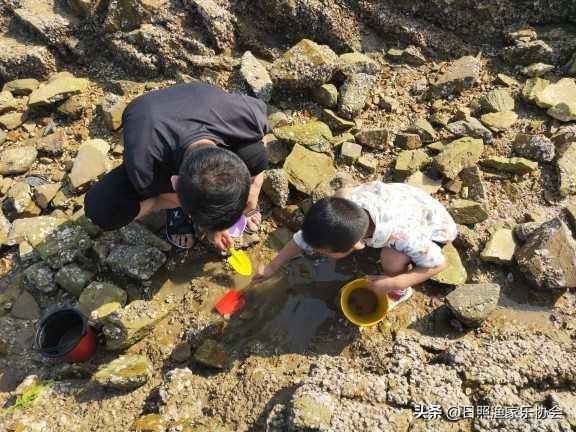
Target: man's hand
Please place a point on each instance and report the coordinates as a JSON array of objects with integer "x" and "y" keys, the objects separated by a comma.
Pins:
[
  {"x": 263, "y": 274},
  {"x": 382, "y": 284},
  {"x": 221, "y": 239}
]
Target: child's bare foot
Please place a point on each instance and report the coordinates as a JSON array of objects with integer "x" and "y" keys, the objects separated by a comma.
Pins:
[{"x": 398, "y": 296}]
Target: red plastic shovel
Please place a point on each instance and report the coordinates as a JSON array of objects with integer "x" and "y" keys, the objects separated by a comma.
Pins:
[{"x": 230, "y": 303}]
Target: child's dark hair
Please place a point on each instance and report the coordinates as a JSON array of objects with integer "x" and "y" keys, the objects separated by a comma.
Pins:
[
  {"x": 335, "y": 224},
  {"x": 213, "y": 187}
]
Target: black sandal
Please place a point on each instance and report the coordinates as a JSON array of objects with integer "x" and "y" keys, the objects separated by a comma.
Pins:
[{"x": 179, "y": 223}]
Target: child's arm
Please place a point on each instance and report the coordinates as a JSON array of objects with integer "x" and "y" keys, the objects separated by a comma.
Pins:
[
  {"x": 384, "y": 284},
  {"x": 286, "y": 254}
]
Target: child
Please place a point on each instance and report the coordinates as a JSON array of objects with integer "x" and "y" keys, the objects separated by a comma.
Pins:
[{"x": 407, "y": 224}]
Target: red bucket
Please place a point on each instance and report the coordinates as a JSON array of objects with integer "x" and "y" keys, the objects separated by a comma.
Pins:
[{"x": 65, "y": 335}]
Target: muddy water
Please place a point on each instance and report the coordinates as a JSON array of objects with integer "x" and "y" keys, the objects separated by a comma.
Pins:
[
  {"x": 283, "y": 314},
  {"x": 287, "y": 312},
  {"x": 363, "y": 302}
]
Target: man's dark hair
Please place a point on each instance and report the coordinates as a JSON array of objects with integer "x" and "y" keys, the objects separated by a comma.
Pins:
[
  {"x": 213, "y": 187},
  {"x": 335, "y": 224}
]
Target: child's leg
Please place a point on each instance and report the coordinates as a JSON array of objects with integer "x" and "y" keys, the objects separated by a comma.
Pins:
[{"x": 394, "y": 263}]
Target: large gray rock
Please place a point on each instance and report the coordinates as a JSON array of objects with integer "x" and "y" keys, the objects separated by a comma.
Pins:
[
  {"x": 523, "y": 231},
  {"x": 307, "y": 169},
  {"x": 472, "y": 180},
  {"x": 90, "y": 163},
  {"x": 567, "y": 169},
  {"x": 500, "y": 248},
  {"x": 18, "y": 202},
  {"x": 19, "y": 59},
  {"x": 336, "y": 123},
  {"x": 462, "y": 74},
  {"x": 4, "y": 228},
  {"x": 112, "y": 107},
  {"x": 313, "y": 135},
  {"x": 410, "y": 161},
  {"x": 408, "y": 141},
  {"x": 138, "y": 235},
  {"x": 43, "y": 194},
  {"x": 535, "y": 147},
  {"x": 52, "y": 144},
  {"x": 467, "y": 212},
  {"x": 7, "y": 102},
  {"x": 21, "y": 87},
  {"x": 499, "y": 121},
  {"x": 127, "y": 372},
  {"x": 124, "y": 16},
  {"x": 374, "y": 138},
  {"x": 218, "y": 21},
  {"x": 473, "y": 303},
  {"x": 256, "y": 75},
  {"x": 312, "y": 410},
  {"x": 423, "y": 128},
  {"x": 25, "y": 307},
  {"x": 457, "y": 155},
  {"x": 277, "y": 149},
  {"x": 455, "y": 273},
  {"x": 73, "y": 278},
  {"x": 41, "y": 277},
  {"x": 513, "y": 165},
  {"x": 305, "y": 65},
  {"x": 560, "y": 98},
  {"x": 350, "y": 152},
  {"x": 276, "y": 187},
  {"x": 528, "y": 52},
  {"x": 326, "y": 95},
  {"x": 212, "y": 354},
  {"x": 471, "y": 127},
  {"x": 354, "y": 93},
  {"x": 34, "y": 230},
  {"x": 17, "y": 160},
  {"x": 422, "y": 181},
  {"x": 12, "y": 120},
  {"x": 497, "y": 100},
  {"x": 533, "y": 87},
  {"x": 355, "y": 62},
  {"x": 126, "y": 326},
  {"x": 48, "y": 19},
  {"x": 59, "y": 87},
  {"x": 537, "y": 69},
  {"x": 548, "y": 258},
  {"x": 64, "y": 245},
  {"x": 138, "y": 262},
  {"x": 98, "y": 294}
]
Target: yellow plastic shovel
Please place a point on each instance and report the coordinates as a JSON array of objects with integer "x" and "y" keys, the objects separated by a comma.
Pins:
[{"x": 240, "y": 261}]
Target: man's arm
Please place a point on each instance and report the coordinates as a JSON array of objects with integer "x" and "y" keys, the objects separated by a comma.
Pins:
[{"x": 255, "y": 188}]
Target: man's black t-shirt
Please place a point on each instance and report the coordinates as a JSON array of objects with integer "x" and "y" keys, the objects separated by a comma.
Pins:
[{"x": 159, "y": 125}]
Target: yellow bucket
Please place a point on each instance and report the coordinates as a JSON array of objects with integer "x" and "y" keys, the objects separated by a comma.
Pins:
[{"x": 362, "y": 320}]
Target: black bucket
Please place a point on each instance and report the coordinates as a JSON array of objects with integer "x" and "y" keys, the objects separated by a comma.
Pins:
[{"x": 65, "y": 334}]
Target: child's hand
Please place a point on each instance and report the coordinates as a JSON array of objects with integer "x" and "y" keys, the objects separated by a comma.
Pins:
[
  {"x": 381, "y": 284},
  {"x": 221, "y": 239},
  {"x": 263, "y": 274}
]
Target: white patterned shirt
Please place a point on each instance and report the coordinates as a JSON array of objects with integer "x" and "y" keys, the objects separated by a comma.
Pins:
[{"x": 405, "y": 218}]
